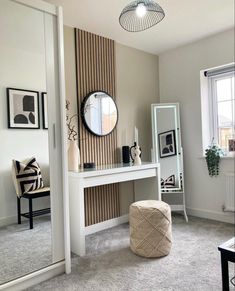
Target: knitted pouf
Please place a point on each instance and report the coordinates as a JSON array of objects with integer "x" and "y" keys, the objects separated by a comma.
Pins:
[{"x": 150, "y": 228}]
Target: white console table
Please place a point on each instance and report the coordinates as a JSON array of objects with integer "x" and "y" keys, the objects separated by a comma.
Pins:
[{"x": 147, "y": 186}]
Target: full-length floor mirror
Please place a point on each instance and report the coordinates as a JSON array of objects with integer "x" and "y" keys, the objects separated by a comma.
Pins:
[
  {"x": 168, "y": 151},
  {"x": 31, "y": 184}
]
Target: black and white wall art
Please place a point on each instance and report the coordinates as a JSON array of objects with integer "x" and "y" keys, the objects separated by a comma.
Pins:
[
  {"x": 23, "y": 108},
  {"x": 167, "y": 145},
  {"x": 44, "y": 111}
]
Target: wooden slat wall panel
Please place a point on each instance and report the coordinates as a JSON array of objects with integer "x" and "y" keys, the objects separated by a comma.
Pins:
[{"x": 95, "y": 58}]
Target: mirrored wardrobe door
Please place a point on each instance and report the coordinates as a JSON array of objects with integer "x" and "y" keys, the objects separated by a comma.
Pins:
[{"x": 31, "y": 238}]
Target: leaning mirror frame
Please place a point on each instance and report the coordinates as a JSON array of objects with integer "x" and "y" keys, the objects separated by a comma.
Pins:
[
  {"x": 83, "y": 109},
  {"x": 170, "y": 129}
]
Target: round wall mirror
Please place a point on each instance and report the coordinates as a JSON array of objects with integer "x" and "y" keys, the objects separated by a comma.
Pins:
[{"x": 99, "y": 113}]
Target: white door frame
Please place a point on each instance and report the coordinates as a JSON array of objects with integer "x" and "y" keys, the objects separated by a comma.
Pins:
[{"x": 64, "y": 140}]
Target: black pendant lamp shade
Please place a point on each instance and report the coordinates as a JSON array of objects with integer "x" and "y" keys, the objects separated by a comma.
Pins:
[{"x": 140, "y": 15}]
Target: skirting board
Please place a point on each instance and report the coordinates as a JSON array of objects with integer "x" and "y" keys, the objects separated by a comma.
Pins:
[
  {"x": 34, "y": 278},
  {"x": 4, "y": 221},
  {"x": 106, "y": 224},
  {"x": 218, "y": 216}
]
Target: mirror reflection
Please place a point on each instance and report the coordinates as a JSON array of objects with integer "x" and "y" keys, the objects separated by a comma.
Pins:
[
  {"x": 168, "y": 146},
  {"x": 99, "y": 113},
  {"x": 25, "y": 222}
]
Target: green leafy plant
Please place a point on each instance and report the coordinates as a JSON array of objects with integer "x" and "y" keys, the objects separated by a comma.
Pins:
[{"x": 213, "y": 155}]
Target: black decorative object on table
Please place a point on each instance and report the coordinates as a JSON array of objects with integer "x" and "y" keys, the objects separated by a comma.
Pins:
[
  {"x": 23, "y": 109},
  {"x": 89, "y": 165},
  {"x": 126, "y": 154}
]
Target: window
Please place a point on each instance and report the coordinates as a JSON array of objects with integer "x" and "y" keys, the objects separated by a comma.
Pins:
[
  {"x": 218, "y": 108},
  {"x": 223, "y": 108}
]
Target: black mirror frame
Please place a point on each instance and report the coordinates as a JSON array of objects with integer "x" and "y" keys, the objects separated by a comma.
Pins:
[{"x": 83, "y": 117}]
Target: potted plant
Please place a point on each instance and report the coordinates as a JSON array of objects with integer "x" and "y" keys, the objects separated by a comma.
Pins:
[{"x": 213, "y": 155}]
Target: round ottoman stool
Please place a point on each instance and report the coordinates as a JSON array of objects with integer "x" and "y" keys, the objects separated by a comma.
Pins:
[{"x": 150, "y": 228}]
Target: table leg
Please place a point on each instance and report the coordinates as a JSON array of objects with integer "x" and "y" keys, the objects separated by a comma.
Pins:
[
  {"x": 225, "y": 275},
  {"x": 82, "y": 243},
  {"x": 77, "y": 216}
]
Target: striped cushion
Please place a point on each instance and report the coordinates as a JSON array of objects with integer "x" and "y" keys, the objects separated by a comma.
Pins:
[
  {"x": 169, "y": 182},
  {"x": 28, "y": 176}
]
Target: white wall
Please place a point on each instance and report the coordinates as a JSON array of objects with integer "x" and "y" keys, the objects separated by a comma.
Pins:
[
  {"x": 22, "y": 65},
  {"x": 70, "y": 71},
  {"x": 137, "y": 89},
  {"x": 179, "y": 78}
]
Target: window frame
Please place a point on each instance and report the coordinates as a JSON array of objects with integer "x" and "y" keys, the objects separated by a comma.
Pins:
[{"x": 213, "y": 104}]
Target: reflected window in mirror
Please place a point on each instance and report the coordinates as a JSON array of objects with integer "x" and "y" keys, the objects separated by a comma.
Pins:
[{"x": 99, "y": 113}]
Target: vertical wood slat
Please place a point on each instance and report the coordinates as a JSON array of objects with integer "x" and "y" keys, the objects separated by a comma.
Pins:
[{"x": 95, "y": 56}]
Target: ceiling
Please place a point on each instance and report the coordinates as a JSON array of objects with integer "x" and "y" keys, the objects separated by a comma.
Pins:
[{"x": 186, "y": 21}]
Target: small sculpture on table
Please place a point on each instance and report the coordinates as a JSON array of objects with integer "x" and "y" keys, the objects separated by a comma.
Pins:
[
  {"x": 136, "y": 154},
  {"x": 135, "y": 150}
]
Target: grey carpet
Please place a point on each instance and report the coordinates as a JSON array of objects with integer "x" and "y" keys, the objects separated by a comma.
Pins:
[
  {"x": 23, "y": 250},
  {"x": 193, "y": 264}
]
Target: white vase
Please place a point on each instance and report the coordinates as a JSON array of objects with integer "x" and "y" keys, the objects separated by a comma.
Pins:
[{"x": 73, "y": 156}]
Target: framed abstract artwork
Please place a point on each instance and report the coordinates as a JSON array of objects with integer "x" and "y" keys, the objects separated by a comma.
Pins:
[
  {"x": 23, "y": 109},
  {"x": 44, "y": 111},
  {"x": 167, "y": 145}
]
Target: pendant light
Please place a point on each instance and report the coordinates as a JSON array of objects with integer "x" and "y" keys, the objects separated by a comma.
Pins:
[{"x": 140, "y": 15}]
